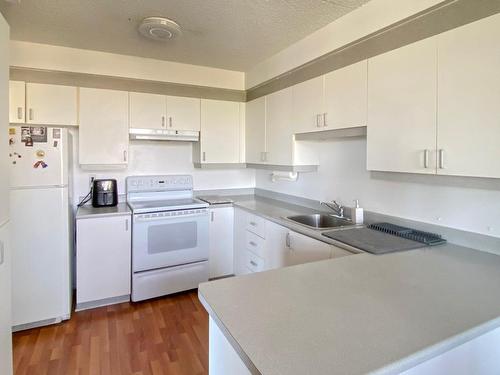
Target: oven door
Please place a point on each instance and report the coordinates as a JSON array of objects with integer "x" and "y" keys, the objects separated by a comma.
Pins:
[{"x": 165, "y": 239}]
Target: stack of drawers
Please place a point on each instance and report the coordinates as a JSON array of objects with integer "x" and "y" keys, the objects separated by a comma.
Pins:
[{"x": 255, "y": 243}]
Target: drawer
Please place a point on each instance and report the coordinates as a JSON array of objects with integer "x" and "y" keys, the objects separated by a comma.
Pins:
[
  {"x": 257, "y": 225},
  {"x": 255, "y": 244},
  {"x": 254, "y": 263}
]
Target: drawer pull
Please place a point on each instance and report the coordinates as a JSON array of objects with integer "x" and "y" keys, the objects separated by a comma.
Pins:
[
  {"x": 253, "y": 223},
  {"x": 253, "y": 263},
  {"x": 252, "y": 243}
]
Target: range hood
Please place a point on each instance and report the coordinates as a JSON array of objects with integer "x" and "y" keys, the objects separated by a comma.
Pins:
[{"x": 164, "y": 135}]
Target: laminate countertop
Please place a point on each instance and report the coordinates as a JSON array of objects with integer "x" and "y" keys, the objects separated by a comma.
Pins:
[
  {"x": 88, "y": 211},
  {"x": 356, "y": 314}
]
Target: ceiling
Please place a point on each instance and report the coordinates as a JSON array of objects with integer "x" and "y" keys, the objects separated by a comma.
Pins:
[{"x": 228, "y": 34}]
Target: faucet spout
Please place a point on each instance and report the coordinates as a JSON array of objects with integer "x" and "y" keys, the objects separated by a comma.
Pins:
[{"x": 335, "y": 207}]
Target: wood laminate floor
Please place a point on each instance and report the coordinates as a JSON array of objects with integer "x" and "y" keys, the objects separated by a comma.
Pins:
[{"x": 162, "y": 336}]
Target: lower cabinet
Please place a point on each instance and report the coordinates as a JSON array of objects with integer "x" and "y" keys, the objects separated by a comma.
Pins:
[
  {"x": 220, "y": 256},
  {"x": 268, "y": 245},
  {"x": 103, "y": 260}
]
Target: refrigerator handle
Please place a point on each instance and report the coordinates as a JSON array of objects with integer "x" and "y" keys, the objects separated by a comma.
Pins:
[{"x": 125, "y": 155}]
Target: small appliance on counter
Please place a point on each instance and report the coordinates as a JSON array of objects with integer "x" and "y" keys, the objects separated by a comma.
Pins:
[{"x": 104, "y": 193}]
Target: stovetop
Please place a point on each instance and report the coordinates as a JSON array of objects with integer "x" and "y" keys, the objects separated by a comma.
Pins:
[{"x": 166, "y": 205}]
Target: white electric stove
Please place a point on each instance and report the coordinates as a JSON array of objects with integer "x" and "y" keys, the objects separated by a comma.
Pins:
[{"x": 169, "y": 235}]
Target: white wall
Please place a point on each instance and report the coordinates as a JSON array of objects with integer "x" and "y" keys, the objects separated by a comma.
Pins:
[
  {"x": 155, "y": 157},
  {"x": 471, "y": 204},
  {"x": 369, "y": 18},
  {"x": 44, "y": 56}
]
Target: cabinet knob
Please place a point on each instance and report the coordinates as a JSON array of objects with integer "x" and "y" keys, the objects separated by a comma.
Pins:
[
  {"x": 170, "y": 121},
  {"x": 426, "y": 158},
  {"x": 318, "y": 121},
  {"x": 31, "y": 114},
  {"x": 441, "y": 159},
  {"x": 324, "y": 119},
  {"x": 19, "y": 113},
  {"x": 163, "y": 121}
]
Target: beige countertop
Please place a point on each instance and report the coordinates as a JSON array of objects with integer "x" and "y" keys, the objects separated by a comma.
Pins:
[{"x": 88, "y": 211}]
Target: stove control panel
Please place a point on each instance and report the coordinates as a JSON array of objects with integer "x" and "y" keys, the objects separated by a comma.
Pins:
[{"x": 159, "y": 183}]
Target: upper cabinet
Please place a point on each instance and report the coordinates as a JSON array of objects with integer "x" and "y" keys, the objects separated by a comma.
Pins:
[
  {"x": 221, "y": 129},
  {"x": 103, "y": 135},
  {"x": 42, "y": 104},
  {"x": 183, "y": 113},
  {"x": 345, "y": 97},
  {"x": 255, "y": 131},
  {"x": 469, "y": 100},
  {"x": 17, "y": 102},
  {"x": 308, "y": 106},
  {"x": 51, "y": 104},
  {"x": 402, "y": 92},
  {"x": 152, "y": 111},
  {"x": 147, "y": 111}
]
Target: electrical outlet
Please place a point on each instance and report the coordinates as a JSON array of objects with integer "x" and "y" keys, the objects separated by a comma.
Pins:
[{"x": 91, "y": 179}]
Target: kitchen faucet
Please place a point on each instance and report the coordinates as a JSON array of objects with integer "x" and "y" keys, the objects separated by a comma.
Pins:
[{"x": 335, "y": 207}]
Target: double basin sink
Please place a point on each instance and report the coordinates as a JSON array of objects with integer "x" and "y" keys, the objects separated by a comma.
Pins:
[{"x": 321, "y": 221}]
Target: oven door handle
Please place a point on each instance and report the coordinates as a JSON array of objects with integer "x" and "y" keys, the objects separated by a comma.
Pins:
[{"x": 141, "y": 218}]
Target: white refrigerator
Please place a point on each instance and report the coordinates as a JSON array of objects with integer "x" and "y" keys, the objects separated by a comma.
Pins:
[
  {"x": 41, "y": 218},
  {"x": 5, "y": 263}
]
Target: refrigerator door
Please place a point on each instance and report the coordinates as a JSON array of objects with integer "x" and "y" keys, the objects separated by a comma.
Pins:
[
  {"x": 40, "y": 242},
  {"x": 38, "y": 156}
]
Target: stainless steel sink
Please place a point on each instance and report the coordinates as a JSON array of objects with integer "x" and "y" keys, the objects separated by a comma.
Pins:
[{"x": 321, "y": 221}]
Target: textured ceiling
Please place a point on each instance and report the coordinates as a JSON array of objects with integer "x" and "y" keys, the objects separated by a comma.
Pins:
[{"x": 229, "y": 34}]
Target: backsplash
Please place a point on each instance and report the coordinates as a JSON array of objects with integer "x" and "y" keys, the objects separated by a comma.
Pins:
[
  {"x": 150, "y": 157},
  {"x": 471, "y": 204}
]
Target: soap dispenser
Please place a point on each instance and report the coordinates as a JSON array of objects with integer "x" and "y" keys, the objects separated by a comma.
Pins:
[{"x": 357, "y": 213}]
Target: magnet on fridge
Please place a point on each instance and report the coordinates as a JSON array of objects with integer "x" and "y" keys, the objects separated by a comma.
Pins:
[
  {"x": 28, "y": 142},
  {"x": 40, "y": 153},
  {"x": 55, "y": 143},
  {"x": 11, "y": 141},
  {"x": 12, "y": 131},
  {"x": 44, "y": 165},
  {"x": 37, "y": 164}
]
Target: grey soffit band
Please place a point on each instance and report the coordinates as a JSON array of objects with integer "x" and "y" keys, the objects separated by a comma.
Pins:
[
  {"x": 435, "y": 20},
  {"x": 124, "y": 84}
]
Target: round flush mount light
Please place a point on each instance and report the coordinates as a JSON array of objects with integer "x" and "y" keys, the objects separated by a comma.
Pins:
[{"x": 159, "y": 28}]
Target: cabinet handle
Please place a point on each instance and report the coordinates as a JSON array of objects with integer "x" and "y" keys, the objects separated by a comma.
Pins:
[
  {"x": 288, "y": 242},
  {"x": 204, "y": 156},
  {"x": 441, "y": 159},
  {"x": 2, "y": 253},
  {"x": 324, "y": 119},
  {"x": 31, "y": 114},
  {"x": 318, "y": 121},
  {"x": 125, "y": 155},
  {"x": 252, "y": 243},
  {"x": 426, "y": 159},
  {"x": 253, "y": 223},
  {"x": 253, "y": 263},
  {"x": 19, "y": 113},
  {"x": 126, "y": 225},
  {"x": 212, "y": 216},
  {"x": 170, "y": 121},
  {"x": 163, "y": 121}
]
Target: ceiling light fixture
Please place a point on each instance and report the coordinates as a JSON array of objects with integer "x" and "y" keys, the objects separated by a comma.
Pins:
[{"x": 159, "y": 28}]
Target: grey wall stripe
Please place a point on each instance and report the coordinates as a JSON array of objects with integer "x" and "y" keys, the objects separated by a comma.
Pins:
[
  {"x": 432, "y": 21},
  {"x": 125, "y": 84}
]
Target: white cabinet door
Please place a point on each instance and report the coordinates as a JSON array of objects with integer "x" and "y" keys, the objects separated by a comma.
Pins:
[
  {"x": 183, "y": 113},
  {"x": 402, "y": 109},
  {"x": 220, "y": 131},
  {"x": 17, "y": 102},
  {"x": 303, "y": 249},
  {"x": 469, "y": 99},
  {"x": 277, "y": 252},
  {"x": 239, "y": 247},
  {"x": 308, "y": 108},
  {"x": 5, "y": 303},
  {"x": 255, "y": 135},
  {"x": 103, "y": 135},
  {"x": 147, "y": 111},
  {"x": 220, "y": 258},
  {"x": 103, "y": 258},
  {"x": 279, "y": 130},
  {"x": 51, "y": 104},
  {"x": 345, "y": 97}
]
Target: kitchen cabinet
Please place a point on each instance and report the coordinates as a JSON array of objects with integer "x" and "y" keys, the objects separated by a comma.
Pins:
[
  {"x": 308, "y": 106},
  {"x": 220, "y": 133},
  {"x": 345, "y": 97},
  {"x": 103, "y": 260},
  {"x": 469, "y": 100},
  {"x": 279, "y": 131},
  {"x": 239, "y": 242},
  {"x": 5, "y": 302},
  {"x": 17, "y": 102},
  {"x": 183, "y": 113},
  {"x": 220, "y": 258},
  {"x": 51, "y": 104},
  {"x": 147, "y": 111},
  {"x": 402, "y": 93},
  {"x": 255, "y": 131},
  {"x": 103, "y": 134}
]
